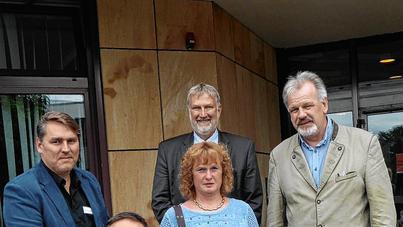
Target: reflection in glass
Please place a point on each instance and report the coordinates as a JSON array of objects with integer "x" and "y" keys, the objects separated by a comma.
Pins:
[
  {"x": 369, "y": 55},
  {"x": 384, "y": 122},
  {"x": 381, "y": 95},
  {"x": 342, "y": 118},
  {"x": 44, "y": 43},
  {"x": 334, "y": 69},
  {"x": 389, "y": 128},
  {"x": 331, "y": 65}
]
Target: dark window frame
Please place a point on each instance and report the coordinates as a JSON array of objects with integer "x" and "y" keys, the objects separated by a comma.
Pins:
[{"x": 80, "y": 36}]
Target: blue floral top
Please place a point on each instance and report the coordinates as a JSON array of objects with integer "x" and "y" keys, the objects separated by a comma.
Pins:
[{"x": 236, "y": 213}]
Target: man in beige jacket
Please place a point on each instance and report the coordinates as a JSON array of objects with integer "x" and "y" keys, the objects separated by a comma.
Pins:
[{"x": 326, "y": 174}]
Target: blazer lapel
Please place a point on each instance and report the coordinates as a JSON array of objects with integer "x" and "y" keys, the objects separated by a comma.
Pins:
[
  {"x": 299, "y": 162},
  {"x": 51, "y": 189},
  {"x": 187, "y": 142},
  {"x": 85, "y": 185},
  {"x": 333, "y": 156},
  {"x": 224, "y": 140},
  {"x": 334, "y": 153}
]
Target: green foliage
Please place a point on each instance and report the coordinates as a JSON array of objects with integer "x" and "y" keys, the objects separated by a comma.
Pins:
[{"x": 389, "y": 137}]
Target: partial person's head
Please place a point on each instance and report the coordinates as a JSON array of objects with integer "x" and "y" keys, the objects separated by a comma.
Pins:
[
  {"x": 57, "y": 142},
  {"x": 206, "y": 168},
  {"x": 127, "y": 219},
  {"x": 305, "y": 98},
  {"x": 204, "y": 106}
]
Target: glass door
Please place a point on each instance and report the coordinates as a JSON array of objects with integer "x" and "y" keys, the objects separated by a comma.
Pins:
[{"x": 389, "y": 129}]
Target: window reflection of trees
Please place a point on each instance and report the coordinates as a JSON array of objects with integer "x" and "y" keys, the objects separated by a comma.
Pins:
[
  {"x": 20, "y": 114},
  {"x": 392, "y": 143}
]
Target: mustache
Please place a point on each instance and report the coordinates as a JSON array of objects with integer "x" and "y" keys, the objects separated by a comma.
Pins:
[{"x": 304, "y": 121}]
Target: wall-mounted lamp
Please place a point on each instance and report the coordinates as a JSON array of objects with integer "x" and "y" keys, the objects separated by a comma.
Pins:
[
  {"x": 190, "y": 40},
  {"x": 386, "y": 59}
]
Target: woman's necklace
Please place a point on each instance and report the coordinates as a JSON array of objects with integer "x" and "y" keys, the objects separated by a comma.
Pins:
[{"x": 206, "y": 209}]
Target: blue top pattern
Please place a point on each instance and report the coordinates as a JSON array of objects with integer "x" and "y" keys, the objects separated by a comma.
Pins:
[{"x": 236, "y": 213}]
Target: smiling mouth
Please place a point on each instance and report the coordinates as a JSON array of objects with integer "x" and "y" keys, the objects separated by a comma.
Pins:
[{"x": 203, "y": 121}]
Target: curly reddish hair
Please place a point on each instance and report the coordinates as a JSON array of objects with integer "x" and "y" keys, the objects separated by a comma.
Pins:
[{"x": 205, "y": 153}]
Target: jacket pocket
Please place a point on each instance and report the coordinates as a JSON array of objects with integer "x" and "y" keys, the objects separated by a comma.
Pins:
[{"x": 348, "y": 175}]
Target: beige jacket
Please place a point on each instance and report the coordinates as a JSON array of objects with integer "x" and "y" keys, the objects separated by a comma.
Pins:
[{"x": 355, "y": 188}]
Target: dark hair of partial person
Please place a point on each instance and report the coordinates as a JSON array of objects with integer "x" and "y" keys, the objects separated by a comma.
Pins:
[
  {"x": 296, "y": 82},
  {"x": 127, "y": 215},
  {"x": 200, "y": 89},
  {"x": 54, "y": 116},
  {"x": 202, "y": 154}
]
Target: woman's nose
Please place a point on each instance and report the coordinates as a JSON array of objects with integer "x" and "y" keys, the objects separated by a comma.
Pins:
[{"x": 209, "y": 174}]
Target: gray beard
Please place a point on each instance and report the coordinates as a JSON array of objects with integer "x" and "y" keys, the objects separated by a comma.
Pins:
[
  {"x": 308, "y": 132},
  {"x": 205, "y": 129}
]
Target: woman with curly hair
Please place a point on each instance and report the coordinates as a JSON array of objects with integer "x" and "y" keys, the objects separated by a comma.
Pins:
[{"x": 206, "y": 178}]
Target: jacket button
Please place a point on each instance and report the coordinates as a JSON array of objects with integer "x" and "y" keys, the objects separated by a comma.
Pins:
[
  {"x": 293, "y": 156},
  {"x": 318, "y": 201},
  {"x": 339, "y": 148}
]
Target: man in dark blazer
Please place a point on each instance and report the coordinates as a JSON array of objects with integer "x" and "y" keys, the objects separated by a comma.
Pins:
[
  {"x": 55, "y": 192},
  {"x": 203, "y": 102}
]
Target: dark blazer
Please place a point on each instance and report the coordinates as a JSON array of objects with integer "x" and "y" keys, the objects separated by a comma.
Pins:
[
  {"x": 34, "y": 199},
  {"x": 247, "y": 184}
]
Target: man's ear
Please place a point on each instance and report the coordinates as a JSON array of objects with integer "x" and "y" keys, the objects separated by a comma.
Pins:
[
  {"x": 219, "y": 109},
  {"x": 39, "y": 145},
  {"x": 325, "y": 104}
]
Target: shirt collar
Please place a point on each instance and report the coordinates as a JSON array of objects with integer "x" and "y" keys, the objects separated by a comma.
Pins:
[
  {"x": 326, "y": 138},
  {"x": 213, "y": 138},
  {"x": 75, "y": 182}
]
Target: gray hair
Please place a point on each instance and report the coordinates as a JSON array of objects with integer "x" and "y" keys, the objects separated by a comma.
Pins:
[
  {"x": 203, "y": 88},
  {"x": 296, "y": 82}
]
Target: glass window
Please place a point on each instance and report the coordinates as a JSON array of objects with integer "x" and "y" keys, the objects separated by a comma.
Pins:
[
  {"x": 342, "y": 118},
  {"x": 369, "y": 56},
  {"x": 384, "y": 122},
  {"x": 333, "y": 67},
  {"x": 389, "y": 128},
  {"x": 380, "y": 84},
  {"x": 43, "y": 43}
]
